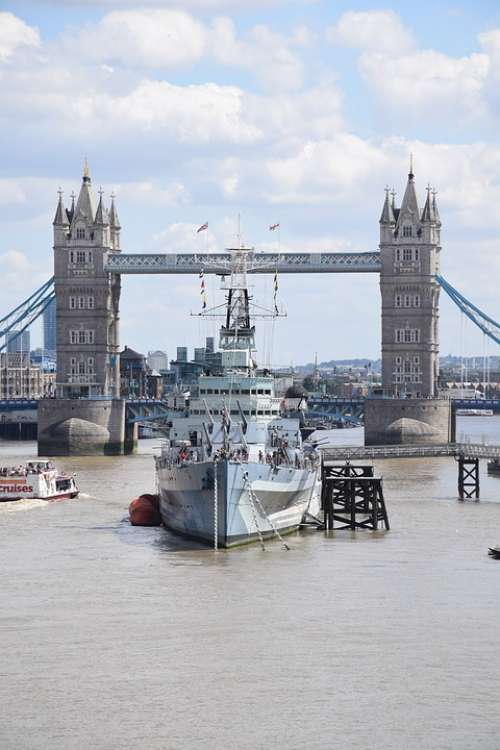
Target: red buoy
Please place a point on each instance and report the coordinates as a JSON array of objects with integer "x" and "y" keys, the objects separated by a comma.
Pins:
[{"x": 145, "y": 511}]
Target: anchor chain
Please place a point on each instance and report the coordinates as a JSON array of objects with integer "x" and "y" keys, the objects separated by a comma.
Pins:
[
  {"x": 254, "y": 512},
  {"x": 216, "y": 508},
  {"x": 254, "y": 500}
]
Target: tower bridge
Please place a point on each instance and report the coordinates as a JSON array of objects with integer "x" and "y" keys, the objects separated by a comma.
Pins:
[{"x": 87, "y": 413}]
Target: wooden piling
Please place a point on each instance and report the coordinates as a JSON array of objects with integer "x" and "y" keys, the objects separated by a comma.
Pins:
[
  {"x": 353, "y": 497},
  {"x": 468, "y": 478}
]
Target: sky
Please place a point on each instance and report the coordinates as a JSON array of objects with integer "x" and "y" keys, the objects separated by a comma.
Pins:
[{"x": 298, "y": 112}]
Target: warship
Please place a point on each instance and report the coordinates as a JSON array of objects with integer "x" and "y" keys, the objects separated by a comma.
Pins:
[{"x": 234, "y": 470}]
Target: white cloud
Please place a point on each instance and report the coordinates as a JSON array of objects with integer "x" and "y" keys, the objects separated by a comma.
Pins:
[
  {"x": 152, "y": 38},
  {"x": 15, "y": 34},
  {"x": 162, "y": 38},
  {"x": 409, "y": 83},
  {"x": 196, "y": 113},
  {"x": 201, "y": 5},
  {"x": 314, "y": 113},
  {"x": 11, "y": 193},
  {"x": 262, "y": 51},
  {"x": 325, "y": 170},
  {"x": 153, "y": 193},
  {"x": 427, "y": 82},
  {"x": 15, "y": 261},
  {"x": 373, "y": 31},
  {"x": 182, "y": 237},
  {"x": 81, "y": 105}
]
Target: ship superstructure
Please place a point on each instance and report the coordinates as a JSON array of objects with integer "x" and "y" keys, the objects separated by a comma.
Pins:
[{"x": 233, "y": 470}]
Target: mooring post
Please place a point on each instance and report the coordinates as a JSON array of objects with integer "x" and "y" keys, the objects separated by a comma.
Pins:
[
  {"x": 351, "y": 494},
  {"x": 468, "y": 478},
  {"x": 374, "y": 494}
]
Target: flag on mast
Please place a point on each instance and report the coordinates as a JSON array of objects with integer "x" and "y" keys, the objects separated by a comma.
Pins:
[
  {"x": 203, "y": 291},
  {"x": 202, "y": 228},
  {"x": 273, "y": 227}
]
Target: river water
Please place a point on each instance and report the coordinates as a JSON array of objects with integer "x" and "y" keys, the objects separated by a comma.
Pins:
[{"x": 116, "y": 637}]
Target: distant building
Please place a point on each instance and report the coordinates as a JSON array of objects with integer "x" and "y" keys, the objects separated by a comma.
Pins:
[
  {"x": 157, "y": 360},
  {"x": 18, "y": 342},
  {"x": 20, "y": 379},
  {"x": 200, "y": 354},
  {"x": 182, "y": 354},
  {"x": 49, "y": 329},
  {"x": 210, "y": 345},
  {"x": 133, "y": 374},
  {"x": 186, "y": 373}
]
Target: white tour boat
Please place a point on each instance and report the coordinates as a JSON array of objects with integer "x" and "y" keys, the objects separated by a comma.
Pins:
[{"x": 38, "y": 480}]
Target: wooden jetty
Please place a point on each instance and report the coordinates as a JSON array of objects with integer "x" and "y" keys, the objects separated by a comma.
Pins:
[{"x": 352, "y": 497}]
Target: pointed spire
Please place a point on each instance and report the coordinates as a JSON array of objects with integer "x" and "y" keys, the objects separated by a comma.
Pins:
[
  {"x": 71, "y": 211},
  {"x": 437, "y": 217},
  {"x": 428, "y": 212},
  {"x": 114, "y": 221},
  {"x": 85, "y": 205},
  {"x": 86, "y": 171},
  {"x": 61, "y": 217},
  {"x": 101, "y": 213},
  {"x": 387, "y": 216},
  {"x": 409, "y": 210}
]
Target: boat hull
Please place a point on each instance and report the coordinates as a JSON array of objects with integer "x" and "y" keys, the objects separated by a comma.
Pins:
[
  {"x": 196, "y": 496},
  {"x": 48, "y": 498}
]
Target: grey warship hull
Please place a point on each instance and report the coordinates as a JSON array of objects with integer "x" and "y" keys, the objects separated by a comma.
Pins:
[{"x": 236, "y": 502}]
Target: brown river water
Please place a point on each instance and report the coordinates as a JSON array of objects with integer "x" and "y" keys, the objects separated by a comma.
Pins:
[{"x": 116, "y": 637}]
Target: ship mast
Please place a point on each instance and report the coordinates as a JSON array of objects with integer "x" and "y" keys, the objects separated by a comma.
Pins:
[{"x": 238, "y": 332}]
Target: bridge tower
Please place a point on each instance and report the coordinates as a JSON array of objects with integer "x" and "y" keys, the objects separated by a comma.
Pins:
[
  {"x": 409, "y": 254},
  {"x": 87, "y": 415},
  {"x": 87, "y": 314}
]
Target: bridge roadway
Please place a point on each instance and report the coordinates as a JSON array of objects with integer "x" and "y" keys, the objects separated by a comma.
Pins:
[
  {"x": 258, "y": 262},
  {"x": 457, "y": 450}
]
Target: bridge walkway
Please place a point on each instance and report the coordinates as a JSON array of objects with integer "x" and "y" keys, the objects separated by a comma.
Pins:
[{"x": 457, "y": 450}]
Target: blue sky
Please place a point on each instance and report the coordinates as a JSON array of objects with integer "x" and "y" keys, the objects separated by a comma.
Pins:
[{"x": 299, "y": 112}]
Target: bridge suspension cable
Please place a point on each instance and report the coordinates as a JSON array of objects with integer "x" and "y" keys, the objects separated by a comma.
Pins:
[
  {"x": 22, "y": 316},
  {"x": 487, "y": 325}
]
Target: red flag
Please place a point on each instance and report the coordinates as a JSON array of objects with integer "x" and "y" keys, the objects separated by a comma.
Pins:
[
  {"x": 202, "y": 228},
  {"x": 273, "y": 227}
]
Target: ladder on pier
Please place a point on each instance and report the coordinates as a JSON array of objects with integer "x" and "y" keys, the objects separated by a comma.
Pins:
[{"x": 352, "y": 498}]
